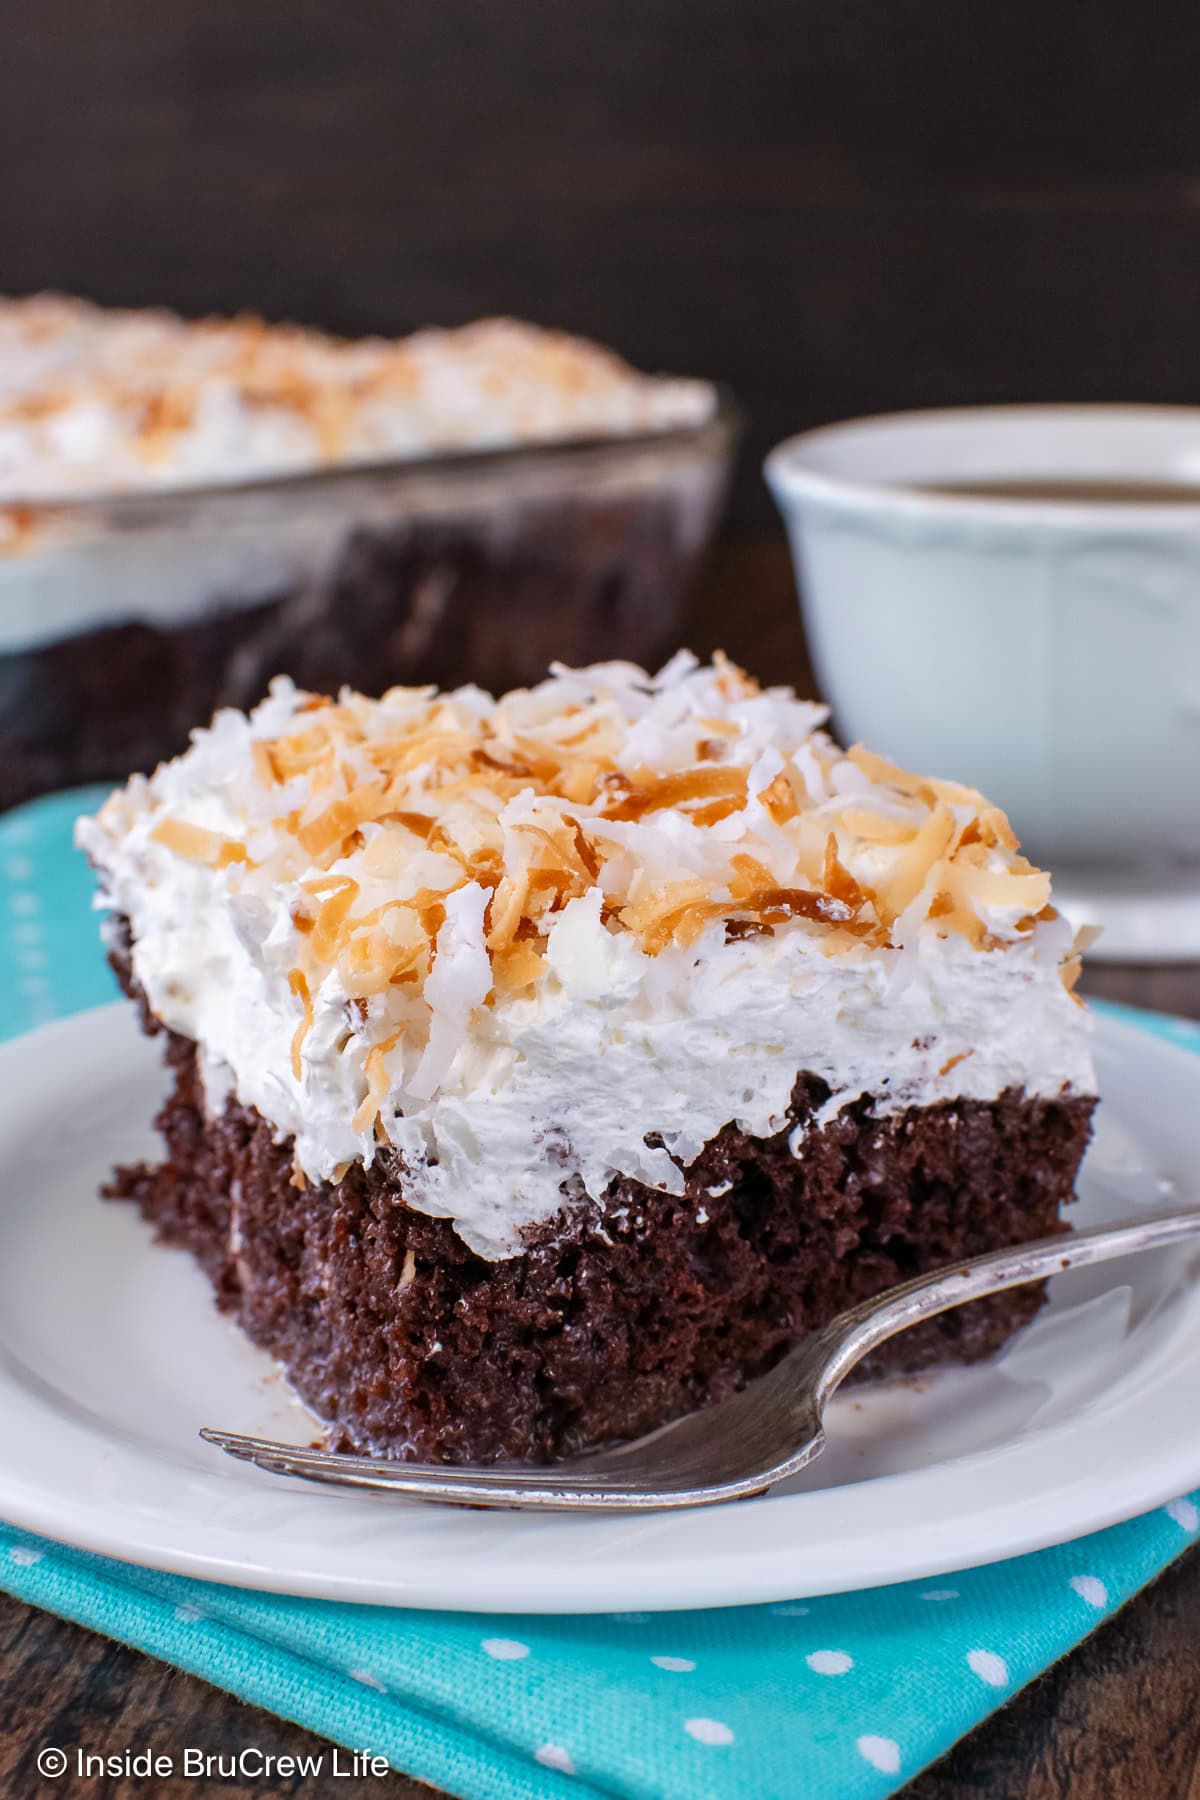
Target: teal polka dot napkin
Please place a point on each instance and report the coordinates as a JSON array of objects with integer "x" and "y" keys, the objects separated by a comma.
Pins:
[{"x": 840, "y": 1698}]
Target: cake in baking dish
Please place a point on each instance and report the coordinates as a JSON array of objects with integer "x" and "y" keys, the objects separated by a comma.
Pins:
[
  {"x": 189, "y": 507},
  {"x": 546, "y": 1067}
]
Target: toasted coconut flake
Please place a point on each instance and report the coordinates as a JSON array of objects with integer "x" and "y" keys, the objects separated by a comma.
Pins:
[
  {"x": 912, "y": 867},
  {"x": 1024, "y": 888},
  {"x": 579, "y": 782},
  {"x": 377, "y": 1081},
  {"x": 506, "y": 909},
  {"x": 370, "y": 965},
  {"x": 438, "y": 747},
  {"x": 572, "y": 740},
  {"x": 694, "y": 920},
  {"x": 886, "y": 774},
  {"x": 733, "y": 682},
  {"x": 328, "y": 934},
  {"x": 264, "y": 763},
  {"x": 300, "y": 754},
  {"x": 326, "y": 884},
  {"x": 331, "y": 828},
  {"x": 654, "y": 919},
  {"x": 653, "y": 793},
  {"x": 517, "y": 967},
  {"x": 585, "y": 850},
  {"x": 837, "y": 880},
  {"x": 1069, "y": 973},
  {"x": 568, "y": 860},
  {"x": 955, "y": 794},
  {"x": 716, "y": 810},
  {"x": 1072, "y": 967},
  {"x": 735, "y": 929},
  {"x": 419, "y": 823},
  {"x": 877, "y": 828},
  {"x": 780, "y": 799},
  {"x": 299, "y": 986},
  {"x": 197, "y": 844},
  {"x": 779, "y": 903},
  {"x": 749, "y": 876}
]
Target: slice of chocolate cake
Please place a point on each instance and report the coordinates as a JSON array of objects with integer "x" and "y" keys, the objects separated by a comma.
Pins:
[{"x": 546, "y": 1067}]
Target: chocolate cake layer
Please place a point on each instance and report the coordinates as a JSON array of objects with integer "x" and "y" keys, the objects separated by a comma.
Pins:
[
  {"x": 626, "y": 1310},
  {"x": 433, "y": 603}
]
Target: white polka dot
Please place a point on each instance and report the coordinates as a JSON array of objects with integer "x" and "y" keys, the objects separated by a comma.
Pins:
[
  {"x": 830, "y": 1662},
  {"x": 1184, "y": 1513},
  {"x": 26, "y": 934},
  {"x": 675, "y": 1665},
  {"x": 1091, "y": 1589},
  {"x": 32, "y": 958},
  {"x": 553, "y": 1756},
  {"x": 708, "y": 1731},
  {"x": 19, "y": 868},
  {"x": 24, "y": 905},
  {"x": 940, "y": 1594},
  {"x": 882, "y": 1753},
  {"x": 989, "y": 1667},
  {"x": 791, "y": 1609},
  {"x": 367, "y": 1679},
  {"x": 34, "y": 984},
  {"x": 188, "y": 1613},
  {"x": 504, "y": 1649},
  {"x": 25, "y": 1556},
  {"x": 631, "y": 1618},
  {"x": 18, "y": 831}
]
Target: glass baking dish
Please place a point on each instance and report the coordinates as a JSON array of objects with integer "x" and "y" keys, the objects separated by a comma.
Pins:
[{"x": 125, "y": 620}]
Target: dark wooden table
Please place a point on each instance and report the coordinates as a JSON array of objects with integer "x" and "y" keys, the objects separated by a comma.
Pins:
[{"x": 1119, "y": 1719}]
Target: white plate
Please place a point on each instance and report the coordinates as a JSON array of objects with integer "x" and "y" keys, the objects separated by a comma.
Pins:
[{"x": 112, "y": 1356}]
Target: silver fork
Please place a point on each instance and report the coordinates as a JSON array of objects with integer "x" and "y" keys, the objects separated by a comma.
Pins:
[{"x": 743, "y": 1445}]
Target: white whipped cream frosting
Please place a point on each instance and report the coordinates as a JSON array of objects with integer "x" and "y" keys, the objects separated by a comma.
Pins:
[
  {"x": 94, "y": 400},
  {"x": 503, "y": 1111}
]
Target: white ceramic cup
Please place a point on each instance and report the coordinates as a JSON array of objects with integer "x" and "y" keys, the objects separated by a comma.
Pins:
[{"x": 1046, "y": 651}]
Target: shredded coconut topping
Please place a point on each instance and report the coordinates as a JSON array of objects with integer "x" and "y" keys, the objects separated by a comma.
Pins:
[
  {"x": 428, "y": 841},
  {"x": 96, "y": 400}
]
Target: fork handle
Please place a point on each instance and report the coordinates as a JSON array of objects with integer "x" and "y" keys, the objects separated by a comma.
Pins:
[{"x": 854, "y": 1334}]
